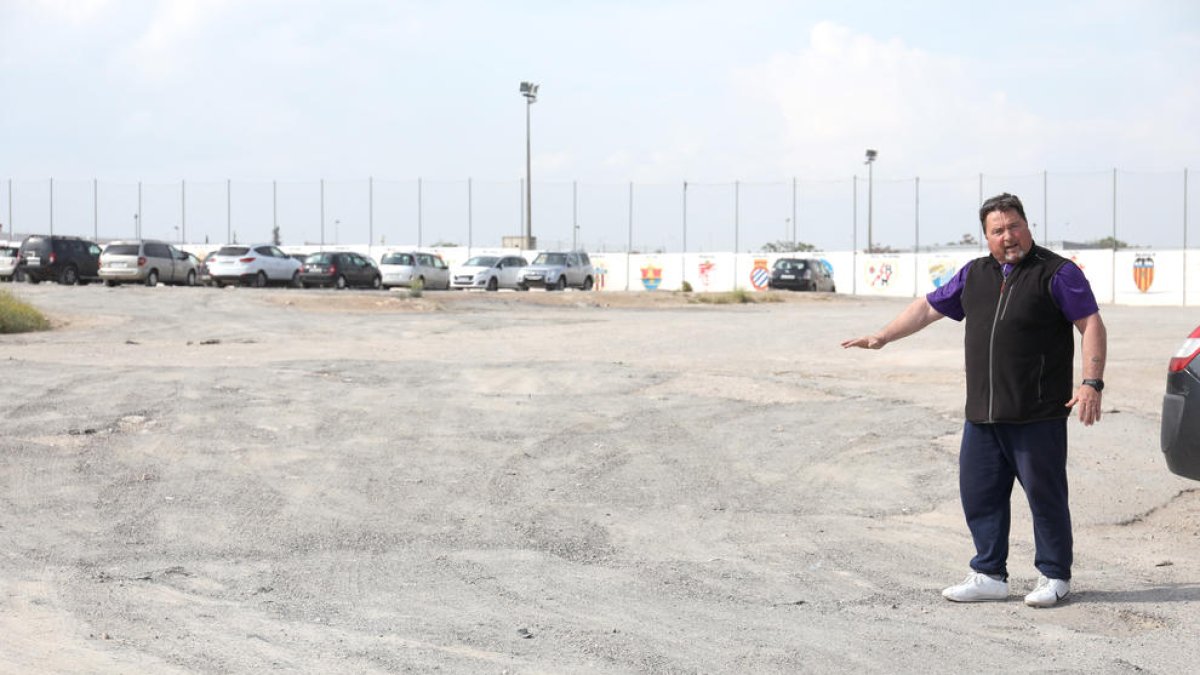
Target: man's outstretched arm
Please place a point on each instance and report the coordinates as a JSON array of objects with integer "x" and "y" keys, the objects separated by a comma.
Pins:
[{"x": 916, "y": 316}]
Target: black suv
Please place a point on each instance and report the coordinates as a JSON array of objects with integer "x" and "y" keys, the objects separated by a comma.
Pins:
[{"x": 67, "y": 260}]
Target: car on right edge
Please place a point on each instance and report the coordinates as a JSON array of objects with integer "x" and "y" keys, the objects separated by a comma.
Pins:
[{"x": 1181, "y": 410}]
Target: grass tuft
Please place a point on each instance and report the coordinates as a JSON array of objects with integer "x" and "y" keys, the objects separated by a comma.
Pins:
[{"x": 17, "y": 316}]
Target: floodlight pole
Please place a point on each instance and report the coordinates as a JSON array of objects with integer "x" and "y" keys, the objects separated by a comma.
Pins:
[
  {"x": 871, "y": 155},
  {"x": 529, "y": 91}
]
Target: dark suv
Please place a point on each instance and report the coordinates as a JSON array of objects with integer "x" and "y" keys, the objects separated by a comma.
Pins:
[{"x": 67, "y": 260}]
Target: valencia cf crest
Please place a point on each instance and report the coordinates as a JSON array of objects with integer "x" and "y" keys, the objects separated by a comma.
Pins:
[
  {"x": 1143, "y": 272},
  {"x": 651, "y": 277},
  {"x": 760, "y": 276}
]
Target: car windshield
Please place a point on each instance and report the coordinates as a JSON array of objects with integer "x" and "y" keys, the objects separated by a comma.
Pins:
[
  {"x": 318, "y": 259},
  {"x": 233, "y": 250},
  {"x": 122, "y": 249},
  {"x": 398, "y": 259},
  {"x": 482, "y": 261},
  {"x": 550, "y": 259},
  {"x": 790, "y": 264}
]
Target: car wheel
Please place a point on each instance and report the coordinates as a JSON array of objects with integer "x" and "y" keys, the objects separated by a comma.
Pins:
[
  {"x": 152, "y": 278},
  {"x": 376, "y": 282},
  {"x": 340, "y": 282},
  {"x": 260, "y": 280},
  {"x": 562, "y": 283},
  {"x": 296, "y": 280},
  {"x": 588, "y": 283},
  {"x": 191, "y": 278},
  {"x": 493, "y": 284},
  {"x": 70, "y": 276},
  {"x": 110, "y": 283}
]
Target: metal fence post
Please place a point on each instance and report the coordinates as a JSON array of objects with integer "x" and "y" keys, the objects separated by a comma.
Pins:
[
  {"x": 917, "y": 239},
  {"x": 51, "y": 207}
]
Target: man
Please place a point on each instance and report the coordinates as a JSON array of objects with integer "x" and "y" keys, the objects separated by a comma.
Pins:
[{"x": 1019, "y": 304}]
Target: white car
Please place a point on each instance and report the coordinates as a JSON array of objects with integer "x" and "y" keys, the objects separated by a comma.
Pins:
[
  {"x": 8, "y": 263},
  {"x": 402, "y": 268},
  {"x": 490, "y": 272},
  {"x": 254, "y": 264}
]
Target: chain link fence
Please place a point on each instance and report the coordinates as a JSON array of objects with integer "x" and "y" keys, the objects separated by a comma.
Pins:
[{"x": 1071, "y": 210}]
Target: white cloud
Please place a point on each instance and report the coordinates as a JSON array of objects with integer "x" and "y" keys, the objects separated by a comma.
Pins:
[
  {"x": 164, "y": 46},
  {"x": 73, "y": 11},
  {"x": 846, "y": 92}
]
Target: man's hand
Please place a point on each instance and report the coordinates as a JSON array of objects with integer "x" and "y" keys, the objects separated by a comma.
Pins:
[
  {"x": 865, "y": 342},
  {"x": 914, "y": 317},
  {"x": 1088, "y": 400}
]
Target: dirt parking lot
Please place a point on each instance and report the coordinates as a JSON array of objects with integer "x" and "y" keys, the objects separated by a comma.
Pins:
[{"x": 268, "y": 480}]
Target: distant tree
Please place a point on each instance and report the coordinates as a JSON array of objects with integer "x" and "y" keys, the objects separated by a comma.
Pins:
[
  {"x": 275, "y": 236},
  {"x": 442, "y": 244},
  {"x": 782, "y": 246},
  {"x": 968, "y": 239},
  {"x": 1109, "y": 242}
]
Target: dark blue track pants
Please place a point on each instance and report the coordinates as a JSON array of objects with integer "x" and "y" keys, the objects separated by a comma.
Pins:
[{"x": 1035, "y": 454}]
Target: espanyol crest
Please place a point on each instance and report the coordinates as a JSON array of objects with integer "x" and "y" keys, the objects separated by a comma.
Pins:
[
  {"x": 1143, "y": 272},
  {"x": 760, "y": 276}
]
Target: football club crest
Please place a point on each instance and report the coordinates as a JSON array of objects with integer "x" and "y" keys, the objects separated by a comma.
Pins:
[
  {"x": 879, "y": 274},
  {"x": 601, "y": 275},
  {"x": 1143, "y": 272},
  {"x": 705, "y": 268},
  {"x": 651, "y": 276},
  {"x": 941, "y": 272},
  {"x": 760, "y": 276}
]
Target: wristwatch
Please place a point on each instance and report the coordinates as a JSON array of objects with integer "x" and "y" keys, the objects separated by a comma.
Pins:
[{"x": 1098, "y": 385}]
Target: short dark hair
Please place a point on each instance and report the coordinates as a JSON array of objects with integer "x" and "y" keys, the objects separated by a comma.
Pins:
[{"x": 1001, "y": 202}]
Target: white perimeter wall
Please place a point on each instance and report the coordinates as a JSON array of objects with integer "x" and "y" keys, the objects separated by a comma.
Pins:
[{"x": 1169, "y": 276}]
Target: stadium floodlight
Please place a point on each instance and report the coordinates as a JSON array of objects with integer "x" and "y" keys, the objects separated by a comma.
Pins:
[
  {"x": 529, "y": 90},
  {"x": 871, "y": 155}
]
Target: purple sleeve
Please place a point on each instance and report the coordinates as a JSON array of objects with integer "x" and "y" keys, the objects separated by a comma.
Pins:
[
  {"x": 947, "y": 299},
  {"x": 1073, "y": 293}
]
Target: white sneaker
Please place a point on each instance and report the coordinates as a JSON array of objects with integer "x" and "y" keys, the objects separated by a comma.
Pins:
[
  {"x": 977, "y": 588},
  {"x": 1048, "y": 592}
]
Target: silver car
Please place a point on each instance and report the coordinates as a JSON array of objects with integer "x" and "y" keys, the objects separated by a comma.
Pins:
[
  {"x": 402, "y": 268},
  {"x": 146, "y": 262},
  {"x": 254, "y": 264},
  {"x": 557, "y": 271},
  {"x": 490, "y": 272}
]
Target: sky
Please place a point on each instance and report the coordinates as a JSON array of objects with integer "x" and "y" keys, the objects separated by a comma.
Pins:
[{"x": 650, "y": 92}]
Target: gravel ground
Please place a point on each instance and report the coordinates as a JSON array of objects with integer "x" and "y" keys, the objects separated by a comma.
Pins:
[{"x": 256, "y": 480}]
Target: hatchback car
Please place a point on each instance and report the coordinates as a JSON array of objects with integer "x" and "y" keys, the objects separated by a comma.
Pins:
[
  {"x": 402, "y": 268},
  {"x": 8, "y": 263},
  {"x": 557, "y": 271},
  {"x": 801, "y": 274},
  {"x": 67, "y": 260},
  {"x": 340, "y": 269},
  {"x": 255, "y": 264},
  {"x": 489, "y": 272},
  {"x": 146, "y": 262},
  {"x": 1181, "y": 410}
]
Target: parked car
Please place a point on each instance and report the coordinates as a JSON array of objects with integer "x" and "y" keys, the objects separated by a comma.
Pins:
[
  {"x": 490, "y": 272},
  {"x": 340, "y": 269},
  {"x": 8, "y": 263},
  {"x": 402, "y": 268},
  {"x": 146, "y": 262},
  {"x": 557, "y": 271},
  {"x": 254, "y": 264},
  {"x": 67, "y": 260},
  {"x": 801, "y": 274},
  {"x": 1181, "y": 410}
]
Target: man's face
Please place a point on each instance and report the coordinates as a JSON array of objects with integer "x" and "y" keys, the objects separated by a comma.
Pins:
[{"x": 1008, "y": 236}]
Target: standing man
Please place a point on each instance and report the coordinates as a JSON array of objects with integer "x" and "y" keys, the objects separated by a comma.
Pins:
[{"x": 1019, "y": 304}]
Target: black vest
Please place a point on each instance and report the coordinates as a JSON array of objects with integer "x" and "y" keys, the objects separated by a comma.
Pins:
[{"x": 1019, "y": 347}]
